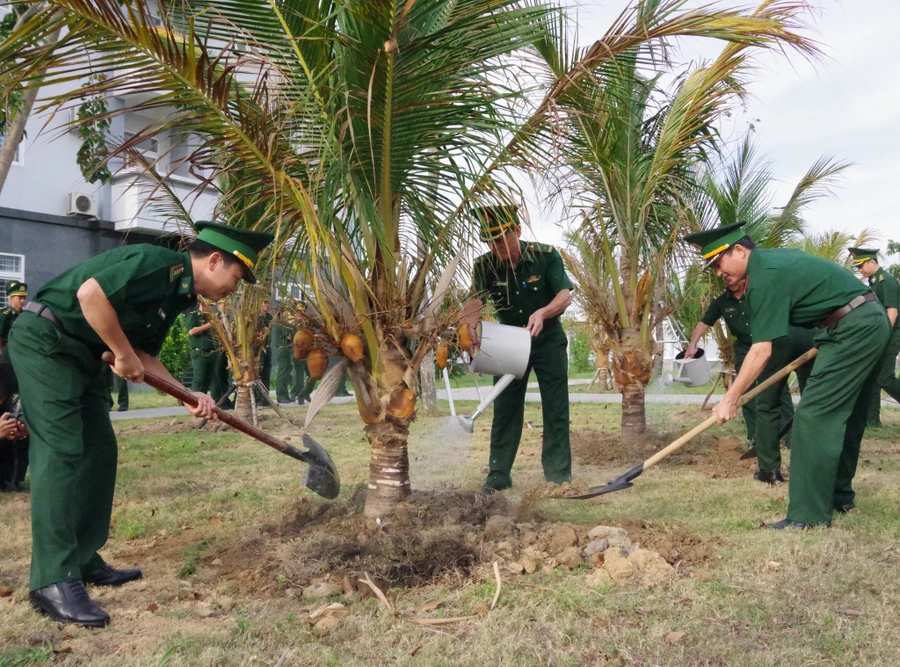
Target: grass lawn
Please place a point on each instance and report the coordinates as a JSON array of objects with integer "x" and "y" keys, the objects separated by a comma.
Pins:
[{"x": 212, "y": 518}]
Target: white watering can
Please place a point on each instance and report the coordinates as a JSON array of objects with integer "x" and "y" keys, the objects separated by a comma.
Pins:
[
  {"x": 503, "y": 351},
  {"x": 692, "y": 372}
]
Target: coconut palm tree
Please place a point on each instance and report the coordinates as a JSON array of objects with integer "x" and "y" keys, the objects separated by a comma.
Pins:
[
  {"x": 359, "y": 132},
  {"x": 634, "y": 150}
]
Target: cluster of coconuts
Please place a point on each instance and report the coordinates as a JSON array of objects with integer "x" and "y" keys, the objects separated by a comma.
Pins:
[{"x": 317, "y": 357}]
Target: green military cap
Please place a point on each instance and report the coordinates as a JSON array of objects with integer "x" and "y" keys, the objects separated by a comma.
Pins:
[
  {"x": 496, "y": 220},
  {"x": 244, "y": 244},
  {"x": 713, "y": 242},
  {"x": 861, "y": 255},
  {"x": 15, "y": 288}
]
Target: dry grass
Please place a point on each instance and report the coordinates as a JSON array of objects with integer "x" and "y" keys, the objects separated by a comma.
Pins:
[{"x": 211, "y": 509}]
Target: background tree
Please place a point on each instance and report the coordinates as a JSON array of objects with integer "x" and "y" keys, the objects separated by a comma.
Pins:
[{"x": 634, "y": 150}]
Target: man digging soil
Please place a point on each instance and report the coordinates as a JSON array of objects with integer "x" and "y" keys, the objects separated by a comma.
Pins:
[
  {"x": 122, "y": 301},
  {"x": 785, "y": 288}
]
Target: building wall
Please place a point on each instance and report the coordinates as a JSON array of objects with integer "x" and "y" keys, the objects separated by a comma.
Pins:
[{"x": 52, "y": 243}]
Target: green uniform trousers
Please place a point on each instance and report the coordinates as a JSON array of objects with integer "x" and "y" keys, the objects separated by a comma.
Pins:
[
  {"x": 210, "y": 373},
  {"x": 290, "y": 375},
  {"x": 774, "y": 407},
  {"x": 73, "y": 450},
  {"x": 750, "y": 409},
  {"x": 887, "y": 379},
  {"x": 831, "y": 418},
  {"x": 115, "y": 383},
  {"x": 550, "y": 363}
]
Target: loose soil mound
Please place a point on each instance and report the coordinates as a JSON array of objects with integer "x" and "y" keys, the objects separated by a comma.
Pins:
[
  {"x": 719, "y": 457},
  {"x": 678, "y": 545},
  {"x": 447, "y": 537}
]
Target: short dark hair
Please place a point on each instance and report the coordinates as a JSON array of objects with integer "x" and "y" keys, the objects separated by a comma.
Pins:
[
  {"x": 746, "y": 242},
  {"x": 203, "y": 249}
]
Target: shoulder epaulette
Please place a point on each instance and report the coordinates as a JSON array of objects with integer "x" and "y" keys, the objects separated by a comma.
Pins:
[
  {"x": 482, "y": 258},
  {"x": 6, "y": 311},
  {"x": 540, "y": 247}
]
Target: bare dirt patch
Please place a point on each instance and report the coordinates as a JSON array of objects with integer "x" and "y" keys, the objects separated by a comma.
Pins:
[
  {"x": 677, "y": 544},
  {"x": 716, "y": 456}
]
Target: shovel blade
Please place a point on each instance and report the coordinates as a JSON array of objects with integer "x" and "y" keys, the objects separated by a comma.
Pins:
[
  {"x": 618, "y": 484},
  {"x": 321, "y": 475},
  {"x": 749, "y": 454}
]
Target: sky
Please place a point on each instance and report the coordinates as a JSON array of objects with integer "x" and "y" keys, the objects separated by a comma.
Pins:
[{"x": 847, "y": 105}]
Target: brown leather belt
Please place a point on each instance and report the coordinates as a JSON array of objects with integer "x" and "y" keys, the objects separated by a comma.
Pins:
[
  {"x": 43, "y": 311},
  {"x": 855, "y": 303}
]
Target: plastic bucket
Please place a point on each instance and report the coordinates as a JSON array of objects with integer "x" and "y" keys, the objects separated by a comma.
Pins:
[
  {"x": 504, "y": 350},
  {"x": 692, "y": 372}
]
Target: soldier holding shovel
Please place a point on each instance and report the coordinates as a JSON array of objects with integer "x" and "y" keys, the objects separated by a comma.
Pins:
[
  {"x": 122, "y": 301},
  {"x": 788, "y": 287}
]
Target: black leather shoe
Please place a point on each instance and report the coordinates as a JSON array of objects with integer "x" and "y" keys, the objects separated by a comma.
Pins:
[
  {"x": 771, "y": 477},
  {"x": 786, "y": 524},
  {"x": 106, "y": 575},
  {"x": 846, "y": 508},
  {"x": 68, "y": 602}
]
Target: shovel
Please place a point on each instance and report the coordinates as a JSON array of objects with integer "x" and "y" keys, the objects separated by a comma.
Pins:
[
  {"x": 320, "y": 477},
  {"x": 625, "y": 481}
]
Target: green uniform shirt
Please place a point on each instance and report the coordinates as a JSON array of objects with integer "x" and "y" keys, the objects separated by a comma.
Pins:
[
  {"x": 8, "y": 315},
  {"x": 735, "y": 313},
  {"x": 284, "y": 335},
  {"x": 790, "y": 287},
  {"x": 885, "y": 286},
  {"x": 518, "y": 293},
  {"x": 147, "y": 285},
  {"x": 206, "y": 340}
]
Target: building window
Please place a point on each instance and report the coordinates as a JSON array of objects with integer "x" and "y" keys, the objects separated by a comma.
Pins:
[{"x": 12, "y": 267}]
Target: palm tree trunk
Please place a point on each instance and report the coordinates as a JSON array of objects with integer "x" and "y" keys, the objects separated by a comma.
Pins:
[
  {"x": 388, "y": 467},
  {"x": 602, "y": 363},
  {"x": 632, "y": 368},
  {"x": 634, "y": 417},
  {"x": 242, "y": 407}
]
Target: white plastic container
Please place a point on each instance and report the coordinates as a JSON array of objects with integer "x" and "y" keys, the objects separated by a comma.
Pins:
[{"x": 504, "y": 350}]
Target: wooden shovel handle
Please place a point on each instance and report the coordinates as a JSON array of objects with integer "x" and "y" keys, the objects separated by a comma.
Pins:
[
  {"x": 750, "y": 395},
  {"x": 182, "y": 394}
]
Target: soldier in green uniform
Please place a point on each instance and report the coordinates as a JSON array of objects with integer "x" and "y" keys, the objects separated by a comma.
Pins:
[
  {"x": 265, "y": 355},
  {"x": 122, "y": 301},
  {"x": 16, "y": 294},
  {"x": 790, "y": 287},
  {"x": 886, "y": 288},
  {"x": 774, "y": 407},
  {"x": 206, "y": 356},
  {"x": 290, "y": 374},
  {"x": 529, "y": 288}
]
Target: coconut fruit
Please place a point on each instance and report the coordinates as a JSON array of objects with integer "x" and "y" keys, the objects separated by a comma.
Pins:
[
  {"x": 441, "y": 355},
  {"x": 464, "y": 338},
  {"x": 403, "y": 404},
  {"x": 317, "y": 363},
  {"x": 303, "y": 343},
  {"x": 352, "y": 347}
]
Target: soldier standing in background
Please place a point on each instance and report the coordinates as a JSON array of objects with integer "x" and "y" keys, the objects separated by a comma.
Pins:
[{"x": 887, "y": 290}]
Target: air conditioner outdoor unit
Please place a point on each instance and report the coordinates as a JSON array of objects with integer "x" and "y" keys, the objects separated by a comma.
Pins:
[{"x": 82, "y": 204}]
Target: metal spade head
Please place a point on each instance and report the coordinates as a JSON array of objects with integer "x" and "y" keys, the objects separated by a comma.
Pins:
[
  {"x": 618, "y": 484},
  {"x": 321, "y": 475}
]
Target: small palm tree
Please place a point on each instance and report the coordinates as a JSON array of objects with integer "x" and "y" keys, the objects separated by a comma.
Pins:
[{"x": 634, "y": 150}]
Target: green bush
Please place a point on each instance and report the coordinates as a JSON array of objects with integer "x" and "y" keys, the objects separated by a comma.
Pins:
[
  {"x": 176, "y": 350},
  {"x": 580, "y": 349}
]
